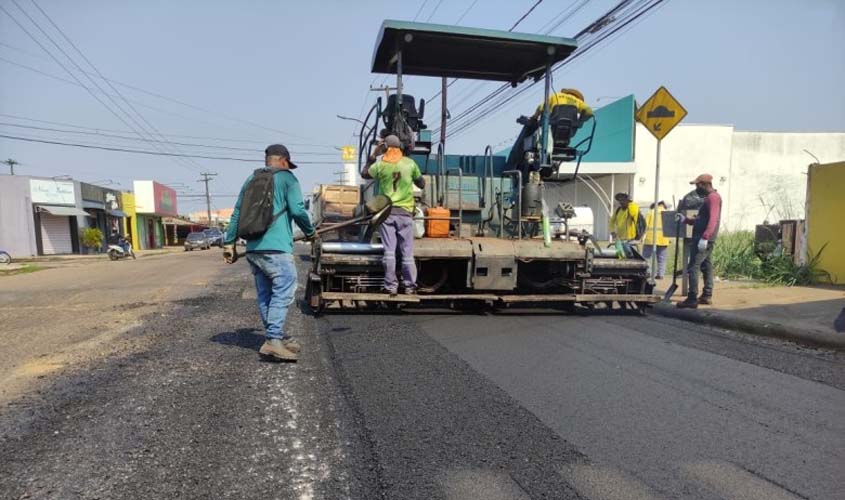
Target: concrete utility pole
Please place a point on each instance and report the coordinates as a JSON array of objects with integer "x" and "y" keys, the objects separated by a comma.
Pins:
[
  {"x": 11, "y": 163},
  {"x": 206, "y": 177}
]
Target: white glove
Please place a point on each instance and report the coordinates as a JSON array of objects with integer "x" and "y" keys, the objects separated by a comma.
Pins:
[
  {"x": 702, "y": 245},
  {"x": 680, "y": 218}
]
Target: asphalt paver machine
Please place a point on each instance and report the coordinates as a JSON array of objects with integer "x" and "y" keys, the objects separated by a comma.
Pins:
[{"x": 495, "y": 250}]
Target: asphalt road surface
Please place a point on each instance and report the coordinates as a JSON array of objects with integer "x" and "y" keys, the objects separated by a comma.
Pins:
[{"x": 168, "y": 399}]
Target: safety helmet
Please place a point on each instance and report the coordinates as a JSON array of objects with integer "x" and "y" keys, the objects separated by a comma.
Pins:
[{"x": 573, "y": 92}]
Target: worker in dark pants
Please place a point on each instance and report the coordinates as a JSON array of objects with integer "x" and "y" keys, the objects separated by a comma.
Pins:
[{"x": 705, "y": 228}]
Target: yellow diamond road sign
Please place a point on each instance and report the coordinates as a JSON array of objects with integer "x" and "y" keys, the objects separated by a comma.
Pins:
[
  {"x": 347, "y": 153},
  {"x": 660, "y": 113}
]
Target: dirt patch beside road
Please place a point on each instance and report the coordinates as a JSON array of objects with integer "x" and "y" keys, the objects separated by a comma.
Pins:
[{"x": 53, "y": 321}]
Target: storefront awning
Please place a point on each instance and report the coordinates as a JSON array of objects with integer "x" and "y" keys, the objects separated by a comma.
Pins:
[
  {"x": 96, "y": 205},
  {"x": 117, "y": 213},
  {"x": 63, "y": 211}
]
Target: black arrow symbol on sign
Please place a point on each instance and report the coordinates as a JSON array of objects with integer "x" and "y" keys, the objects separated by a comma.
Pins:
[{"x": 657, "y": 127}]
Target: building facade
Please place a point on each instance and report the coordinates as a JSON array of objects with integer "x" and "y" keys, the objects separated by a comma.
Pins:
[
  {"x": 39, "y": 216},
  {"x": 104, "y": 208},
  {"x": 153, "y": 202}
]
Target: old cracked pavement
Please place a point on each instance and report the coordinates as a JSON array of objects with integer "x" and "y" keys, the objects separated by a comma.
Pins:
[{"x": 140, "y": 380}]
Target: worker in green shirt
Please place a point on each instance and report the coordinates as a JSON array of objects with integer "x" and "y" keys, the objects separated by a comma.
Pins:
[{"x": 396, "y": 175}]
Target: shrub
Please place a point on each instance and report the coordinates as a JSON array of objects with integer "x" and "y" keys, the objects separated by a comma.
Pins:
[
  {"x": 734, "y": 257},
  {"x": 92, "y": 237},
  {"x": 781, "y": 270}
]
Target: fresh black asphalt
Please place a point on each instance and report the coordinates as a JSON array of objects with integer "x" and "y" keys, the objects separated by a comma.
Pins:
[{"x": 433, "y": 406}]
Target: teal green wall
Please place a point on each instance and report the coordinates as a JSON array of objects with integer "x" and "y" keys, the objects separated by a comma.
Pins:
[{"x": 614, "y": 139}]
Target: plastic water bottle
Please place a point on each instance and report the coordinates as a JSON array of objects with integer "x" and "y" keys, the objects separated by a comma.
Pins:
[{"x": 547, "y": 229}]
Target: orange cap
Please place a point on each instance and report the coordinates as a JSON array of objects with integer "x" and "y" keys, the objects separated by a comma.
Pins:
[{"x": 705, "y": 178}]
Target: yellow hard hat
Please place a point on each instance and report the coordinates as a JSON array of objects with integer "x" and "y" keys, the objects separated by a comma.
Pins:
[{"x": 573, "y": 92}]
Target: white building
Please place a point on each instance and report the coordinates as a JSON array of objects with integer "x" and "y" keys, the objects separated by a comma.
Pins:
[{"x": 760, "y": 175}]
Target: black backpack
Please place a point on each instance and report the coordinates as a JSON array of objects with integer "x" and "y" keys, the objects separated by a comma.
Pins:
[
  {"x": 256, "y": 215},
  {"x": 641, "y": 226}
]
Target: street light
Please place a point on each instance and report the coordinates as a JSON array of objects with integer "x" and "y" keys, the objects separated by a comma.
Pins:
[{"x": 349, "y": 118}]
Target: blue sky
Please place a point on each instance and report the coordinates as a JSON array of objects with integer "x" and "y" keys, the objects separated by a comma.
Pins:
[{"x": 290, "y": 67}]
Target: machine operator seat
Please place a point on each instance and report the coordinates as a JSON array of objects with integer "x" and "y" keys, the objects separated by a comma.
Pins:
[
  {"x": 409, "y": 108},
  {"x": 563, "y": 124}
]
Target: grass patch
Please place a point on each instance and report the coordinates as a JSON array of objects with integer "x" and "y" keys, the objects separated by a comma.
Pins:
[
  {"x": 735, "y": 257},
  {"x": 26, "y": 269}
]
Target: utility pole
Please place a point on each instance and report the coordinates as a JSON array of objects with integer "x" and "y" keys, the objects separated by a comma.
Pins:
[
  {"x": 206, "y": 177},
  {"x": 11, "y": 163}
]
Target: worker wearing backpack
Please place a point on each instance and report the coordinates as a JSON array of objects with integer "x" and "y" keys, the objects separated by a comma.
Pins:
[
  {"x": 627, "y": 224},
  {"x": 268, "y": 203}
]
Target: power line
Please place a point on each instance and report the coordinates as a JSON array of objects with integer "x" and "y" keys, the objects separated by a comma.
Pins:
[
  {"x": 419, "y": 11},
  {"x": 99, "y": 129},
  {"x": 97, "y": 71},
  {"x": 466, "y": 11},
  {"x": 517, "y": 23},
  {"x": 153, "y": 153},
  {"x": 637, "y": 10},
  {"x": 525, "y": 15},
  {"x": 158, "y": 96},
  {"x": 67, "y": 70},
  {"x": 433, "y": 11},
  {"x": 116, "y": 136}
]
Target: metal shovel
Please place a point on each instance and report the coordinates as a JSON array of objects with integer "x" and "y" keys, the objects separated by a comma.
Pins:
[
  {"x": 671, "y": 291},
  {"x": 378, "y": 208}
]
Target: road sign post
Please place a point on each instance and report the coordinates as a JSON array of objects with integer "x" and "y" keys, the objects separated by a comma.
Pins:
[{"x": 659, "y": 114}]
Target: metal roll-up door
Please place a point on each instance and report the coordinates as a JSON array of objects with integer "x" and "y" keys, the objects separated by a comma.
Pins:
[{"x": 55, "y": 234}]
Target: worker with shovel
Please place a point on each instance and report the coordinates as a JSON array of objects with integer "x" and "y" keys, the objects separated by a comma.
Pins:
[
  {"x": 396, "y": 175},
  {"x": 268, "y": 202}
]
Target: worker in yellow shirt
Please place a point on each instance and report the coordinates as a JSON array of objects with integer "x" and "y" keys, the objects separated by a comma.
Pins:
[
  {"x": 570, "y": 97},
  {"x": 662, "y": 240},
  {"x": 627, "y": 224},
  {"x": 530, "y": 124}
]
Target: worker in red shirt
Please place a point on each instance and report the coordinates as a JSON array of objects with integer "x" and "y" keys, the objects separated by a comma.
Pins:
[{"x": 705, "y": 227}]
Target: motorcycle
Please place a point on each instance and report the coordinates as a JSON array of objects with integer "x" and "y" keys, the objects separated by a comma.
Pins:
[{"x": 122, "y": 250}]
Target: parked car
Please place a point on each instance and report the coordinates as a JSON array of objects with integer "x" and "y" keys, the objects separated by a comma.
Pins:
[
  {"x": 197, "y": 240},
  {"x": 215, "y": 236}
]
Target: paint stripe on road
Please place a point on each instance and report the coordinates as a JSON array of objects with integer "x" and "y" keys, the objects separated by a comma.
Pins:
[
  {"x": 604, "y": 483},
  {"x": 481, "y": 483},
  {"x": 732, "y": 481}
]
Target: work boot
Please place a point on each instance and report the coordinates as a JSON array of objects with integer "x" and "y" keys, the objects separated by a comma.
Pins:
[
  {"x": 276, "y": 349},
  {"x": 689, "y": 303},
  {"x": 705, "y": 300},
  {"x": 292, "y": 345}
]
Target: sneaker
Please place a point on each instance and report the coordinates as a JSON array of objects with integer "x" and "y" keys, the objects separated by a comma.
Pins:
[
  {"x": 688, "y": 304},
  {"x": 392, "y": 293},
  {"x": 275, "y": 348},
  {"x": 410, "y": 291},
  {"x": 706, "y": 300}
]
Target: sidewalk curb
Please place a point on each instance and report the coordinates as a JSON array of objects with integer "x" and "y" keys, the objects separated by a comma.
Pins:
[
  {"x": 729, "y": 321},
  {"x": 42, "y": 259}
]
